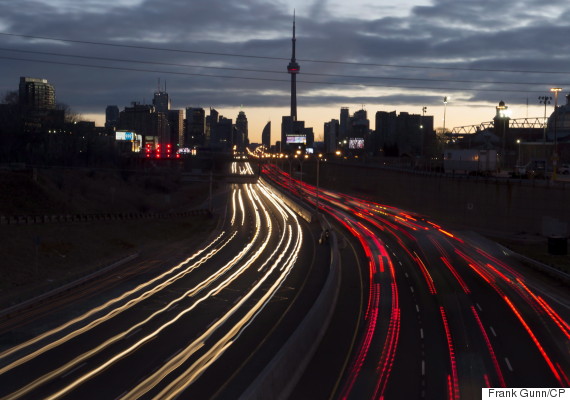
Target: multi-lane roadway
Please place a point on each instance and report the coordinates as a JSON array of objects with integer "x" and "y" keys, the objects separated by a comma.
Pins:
[
  {"x": 200, "y": 327},
  {"x": 441, "y": 316}
]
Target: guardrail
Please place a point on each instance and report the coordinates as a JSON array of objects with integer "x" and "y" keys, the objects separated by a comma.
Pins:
[{"x": 68, "y": 218}]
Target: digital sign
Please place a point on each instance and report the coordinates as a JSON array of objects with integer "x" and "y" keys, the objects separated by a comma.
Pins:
[
  {"x": 296, "y": 139},
  {"x": 124, "y": 135},
  {"x": 356, "y": 143}
]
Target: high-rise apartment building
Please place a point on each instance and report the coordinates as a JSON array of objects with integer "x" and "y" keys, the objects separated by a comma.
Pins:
[{"x": 36, "y": 93}]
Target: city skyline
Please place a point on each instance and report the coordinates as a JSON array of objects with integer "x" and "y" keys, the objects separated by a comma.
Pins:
[{"x": 471, "y": 53}]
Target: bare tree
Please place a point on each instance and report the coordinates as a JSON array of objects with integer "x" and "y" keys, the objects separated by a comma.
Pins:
[
  {"x": 11, "y": 97},
  {"x": 69, "y": 115}
]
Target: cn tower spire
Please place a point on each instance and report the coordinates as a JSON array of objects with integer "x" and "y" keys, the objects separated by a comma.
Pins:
[{"x": 293, "y": 69}]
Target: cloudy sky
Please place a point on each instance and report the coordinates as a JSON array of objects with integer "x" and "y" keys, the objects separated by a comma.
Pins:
[{"x": 231, "y": 55}]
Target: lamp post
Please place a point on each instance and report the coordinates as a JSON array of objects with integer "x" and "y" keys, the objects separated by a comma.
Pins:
[
  {"x": 444, "y": 112},
  {"x": 519, "y": 155},
  {"x": 318, "y": 171},
  {"x": 502, "y": 114},
  {"x": 424, "y": 109},
  {"x": 555, "y": 155},
  {"x": 544, "y": 100}
]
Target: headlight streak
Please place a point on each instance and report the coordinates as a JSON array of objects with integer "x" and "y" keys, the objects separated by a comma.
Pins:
[
  {"x": 193, "y": 372},
  {"x": 79, "y": 359},
  {"x": 291, "y": 259},
  {"x": 241, "y": 207},
  {"x": 108, "y": 304},
  {"x": 90, "y": 374},
  {"x": 234, "y": 209}
]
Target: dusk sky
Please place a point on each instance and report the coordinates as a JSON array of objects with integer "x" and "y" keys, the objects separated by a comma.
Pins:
[{"x": 394, "y": 56}]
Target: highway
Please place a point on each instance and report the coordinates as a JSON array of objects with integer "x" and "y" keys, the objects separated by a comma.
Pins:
[
  {"x": 200, "y": 327},
  {"x": 442, "y": 315}
]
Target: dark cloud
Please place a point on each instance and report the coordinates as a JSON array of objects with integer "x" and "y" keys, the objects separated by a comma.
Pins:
[{"x": 480, "y": 42}]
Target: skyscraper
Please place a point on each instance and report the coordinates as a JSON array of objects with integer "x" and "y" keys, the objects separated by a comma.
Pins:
[
  {"x": 293, "y": 70},
  {"x": 241, "y": 140},
  {"x": 36, "y": 93},
  {"x": 111, "y": 117},
  {"x": 266, "y": 136},
  {"x": 161, "y": 101},
  {"x": 195, "y": 126}
]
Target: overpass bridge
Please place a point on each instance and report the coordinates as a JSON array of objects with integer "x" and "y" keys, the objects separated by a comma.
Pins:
[
  {"x": 224, "y": 177},
  {"x": 522, "y": 123}
]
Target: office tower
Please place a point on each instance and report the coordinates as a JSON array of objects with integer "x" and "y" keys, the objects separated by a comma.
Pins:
[
  {"x": 176, "y": 123},
  {"x": 36, "y": 93},
  {"x": 161, "y": 101},
  {"x": 145, "y": 121},
  {"x": 111, "y": 117},
  {"x": 241, "y": 140},
  {"x": 293, "y": 70},
  {"x": 212, "y": 136},
  {"x": 224, "y": 131},
  {"x": 344, "y": 128},
  {"x": 195, "y": 126},
  {"x": 266, "y": 136},
  {"x": 331, "y": 135}
]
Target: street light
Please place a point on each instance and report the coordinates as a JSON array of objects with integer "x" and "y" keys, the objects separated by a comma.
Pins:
[
  {"x": 544, "y": 100},
  {"x": 555, "y": 155},
  {"x": 444, "y": 112},
  {"x": 519, "y": 157},
  {"x": 318, "y": 173}
]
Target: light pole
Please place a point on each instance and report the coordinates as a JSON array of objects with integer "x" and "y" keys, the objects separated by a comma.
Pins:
[
  {"x": 444, "y": 112},
  {"x": 519, "y": 157},
  {"x": 544, "y": 100},
  {"x": 502, "y": 114},
  {"x": 424, "y": 109},
  {"x": 318, "y": 171},
  {"x": 555, "y": 155}
]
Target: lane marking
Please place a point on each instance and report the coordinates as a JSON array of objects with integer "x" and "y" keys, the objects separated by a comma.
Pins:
[
  {"x": 493, "y": 331},
  {"x": 73, "y": 370},
  {"x": 412, "y": 289},
  {"x": 417, "y": 308},
  {"x": 509, "y": 364},
  {"x": 478, "y": 306},
  {"x": 422, "y": 333},
  {"x": 132, "y": 333},
  {"x": 423, "y": 367},
  {"x": 407, "y": 276}
]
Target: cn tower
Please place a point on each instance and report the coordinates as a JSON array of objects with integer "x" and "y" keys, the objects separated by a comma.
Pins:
[{"x": 293, "y": 69}]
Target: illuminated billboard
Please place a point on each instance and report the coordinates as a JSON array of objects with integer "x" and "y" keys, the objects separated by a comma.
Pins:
[
  {"x": 124, "y": 135},
  {"x": 356, "y": 143},
  {"x": 296, "y": 139}
]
